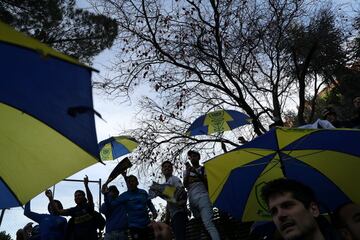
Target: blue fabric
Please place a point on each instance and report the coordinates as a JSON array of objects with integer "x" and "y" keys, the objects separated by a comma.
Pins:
[
  {"x": 45, "y": 88},
  {"x": 329, "y": 140},
  {"x": 137, "y": 204},
  {"x": 239, "y": 119},
  {"x": 199, "y": 128},
  {"x": 265, "y": 141},
  {"x": 230, "y": 199},
  {"x": 52, "y": 227},
  {"x": 116, "y": 219},
  {"x": 327, "y": 193},
  {"x": 7, "y": 198},
  {"x": 118, "y": 149}
]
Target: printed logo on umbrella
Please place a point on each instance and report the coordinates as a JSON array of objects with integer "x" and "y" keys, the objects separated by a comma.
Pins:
[{"x": 263, "y": 211}]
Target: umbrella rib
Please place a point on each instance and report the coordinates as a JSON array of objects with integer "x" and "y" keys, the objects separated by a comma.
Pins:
[
  {"x": 263, "y": 173},
  {"x": 305, "y": 155},
  {"x": 258, "y": 154}
]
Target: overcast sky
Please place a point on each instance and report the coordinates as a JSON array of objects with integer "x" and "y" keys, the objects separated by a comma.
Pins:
[{"x": 119, "y": 117}]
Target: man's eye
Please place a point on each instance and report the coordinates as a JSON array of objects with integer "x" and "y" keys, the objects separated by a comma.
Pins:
[
  {"x": 273, "y": 211},
  {"x": 288, "y": 205}
]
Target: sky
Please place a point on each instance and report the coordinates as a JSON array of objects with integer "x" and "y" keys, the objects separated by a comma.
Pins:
[{"x": 118, "y": 116}]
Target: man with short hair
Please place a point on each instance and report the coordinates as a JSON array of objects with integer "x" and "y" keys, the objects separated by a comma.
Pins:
[
  {"x": 116, "y": 219},
  {"x": 294, "y": 210},
  {"x": 175, "y": 211},
  {"x": 83, "y": 214},
  {"x": 52, "y": 226},
  {"x": 347, "y": 218},
  {"x": 196, "y": 183},
  {"x": 136, "y": 203}
]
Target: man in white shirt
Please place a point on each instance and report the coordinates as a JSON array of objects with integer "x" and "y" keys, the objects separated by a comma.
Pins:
[
  {"x": 176, "y": 212},
  {"x": 196, "y": 184}
]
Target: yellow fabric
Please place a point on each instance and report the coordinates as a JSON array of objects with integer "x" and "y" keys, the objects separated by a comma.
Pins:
[
  {"x": 10, "y": 35},
  {"x": 106, "y": 153},
  {"x": 217, "y": 121},
  {"x": 169, "y": 191},
  {"x": 334, "y": 165},
  {"x": 34, "y": 156},
  {"x": 255, "y": 208},
  {"x": 285, "y": 136},
  {"x": 219, "y": 169}
]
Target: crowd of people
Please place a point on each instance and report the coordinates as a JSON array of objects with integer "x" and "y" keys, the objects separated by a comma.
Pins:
[{"x": 293, "y": 206}]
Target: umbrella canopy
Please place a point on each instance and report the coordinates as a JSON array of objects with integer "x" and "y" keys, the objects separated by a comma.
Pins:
[
  {"x": 327, "y": 160},
  {"x": 218, "y": 121},
  {"x": 115, "y": 147},
  {"x": 47, "y": 126}
]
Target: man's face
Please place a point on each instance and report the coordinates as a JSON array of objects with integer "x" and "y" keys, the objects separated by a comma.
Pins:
[
  {"x": 167, "y": 169},
  {"x": 331, "y": 117},
  {"x": 350, "y": 214},
  {"x": 132, "y": 183},
  {"x": 291, "y": 217},
  {"x": 194, "y": 159},
  {"x": 113, "y": 194},
  {"x": 356, "y": 103},
  {"x": 79, "y": 198}
]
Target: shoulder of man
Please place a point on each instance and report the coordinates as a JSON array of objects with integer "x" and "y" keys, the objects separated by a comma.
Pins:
[
  {"x": 175, "y": 181},
  {"x": 142, "y": 191}
]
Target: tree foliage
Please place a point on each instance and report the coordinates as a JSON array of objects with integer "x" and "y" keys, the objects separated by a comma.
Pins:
[
  {"x": 267, "y": 58},
  {"x": 58, "y": 23},
  {"x": 5, "y": 236}
]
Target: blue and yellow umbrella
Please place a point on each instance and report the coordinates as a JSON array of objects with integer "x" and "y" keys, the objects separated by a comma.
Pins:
[
  {"x": 115, "y": 147},
  {"x": 47, "y": 126},
  {"x": 326, "y": 160},
  {"x": 218, "y": 121}
]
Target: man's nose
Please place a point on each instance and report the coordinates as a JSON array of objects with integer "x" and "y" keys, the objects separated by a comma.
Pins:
[{"x": 282, "y": 215}]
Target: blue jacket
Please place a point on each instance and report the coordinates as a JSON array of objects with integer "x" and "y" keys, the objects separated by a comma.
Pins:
[
  {"x": 116, "y": 218},
  {"x": 52, "y": 227}
]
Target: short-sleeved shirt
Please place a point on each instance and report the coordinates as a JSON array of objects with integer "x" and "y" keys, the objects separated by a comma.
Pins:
[{"x": 172, "y": 207}]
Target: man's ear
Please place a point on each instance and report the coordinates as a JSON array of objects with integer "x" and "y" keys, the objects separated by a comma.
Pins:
[{"x": 314, "y": 209}]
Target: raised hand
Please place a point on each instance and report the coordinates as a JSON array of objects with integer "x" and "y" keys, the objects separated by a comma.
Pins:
[
  {"x": 49, "y": 194},
  {"x": 86, "y": 180}
]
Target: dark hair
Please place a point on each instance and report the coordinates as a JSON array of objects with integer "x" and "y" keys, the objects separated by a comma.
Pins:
[
  {"x": 353, "y": 99},
  {"x": 328, "y": 111},
  {"x": 193, "y": 152},
  {"x": 131, "y": 176},
  {"x": 80, "y": 191},
  {"x": 299, "y": 191},
  {"x": 56, "y": 202},
  {"x": 162, "y": 165},
  {"x": 337, "y": 220},
  {"x": 114, "y": 189}
]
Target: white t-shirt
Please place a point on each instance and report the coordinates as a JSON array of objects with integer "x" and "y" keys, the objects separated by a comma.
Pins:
[{"x": 172, "y": 207}]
